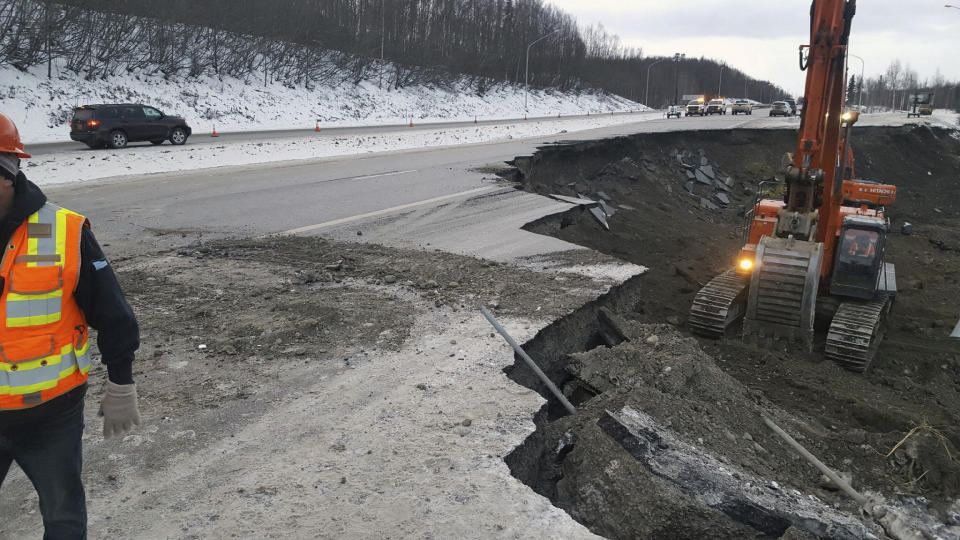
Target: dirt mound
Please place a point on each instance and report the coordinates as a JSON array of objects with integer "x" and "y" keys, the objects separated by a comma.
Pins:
[
  {"x": 894, "y": 429},
  {"x": 669, "y": 377}
]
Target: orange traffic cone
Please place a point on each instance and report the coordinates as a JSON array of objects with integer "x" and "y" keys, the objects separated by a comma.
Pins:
[
  {"x": 317, "y": 129},
  {"x": 474, "y": 119},
  {"x": 524, "y": 116},
  {"x": 214, "y": 134},
  {"x": 411, "y": 122},
  {"x": 558, "y": 115}
]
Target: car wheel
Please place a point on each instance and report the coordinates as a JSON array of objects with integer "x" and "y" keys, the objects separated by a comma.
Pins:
[
  {"x": 118, "y": 140},
  {"x": 157, "y": 142},
  {"x": 178, "y": 136}
]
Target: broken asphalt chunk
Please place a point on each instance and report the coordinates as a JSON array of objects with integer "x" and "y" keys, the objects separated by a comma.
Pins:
[
  {"x": 706, "y": 204},
  {"x": 607, "y": 209},
  {"x": 600, "y": 216},
  {"x": 690, "y": 469},
  {"x": 573, "y": 200},
  {"x": 722, "y": 197},
  {"x": 702, "y": 178}
]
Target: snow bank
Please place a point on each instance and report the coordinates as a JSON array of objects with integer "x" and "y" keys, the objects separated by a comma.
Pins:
[
  {"x": 84, "y": 165},
  {"x": 42, "y": 107}
]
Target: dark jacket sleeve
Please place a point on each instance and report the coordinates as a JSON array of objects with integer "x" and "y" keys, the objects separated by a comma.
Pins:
[{"x": 99, "y": 296}]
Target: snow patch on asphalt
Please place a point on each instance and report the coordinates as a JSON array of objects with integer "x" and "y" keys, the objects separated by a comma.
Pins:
[{"x": 606, "y": 272}]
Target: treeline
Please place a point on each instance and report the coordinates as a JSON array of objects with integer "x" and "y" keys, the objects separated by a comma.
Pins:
[
  {"x": 397, "y": 42},
  {"x": 892, "y": 89}
]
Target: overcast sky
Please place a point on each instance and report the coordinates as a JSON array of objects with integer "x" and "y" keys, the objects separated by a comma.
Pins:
[{"x": 761, "y": 37}]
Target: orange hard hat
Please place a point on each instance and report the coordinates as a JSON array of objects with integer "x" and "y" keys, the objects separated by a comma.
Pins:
[{"x": 10, "y": 137}]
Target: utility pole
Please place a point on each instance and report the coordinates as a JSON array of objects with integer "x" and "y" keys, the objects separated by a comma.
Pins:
[
  {"x": 47, "y": 31},
  {"x": 526, "y": 78},
  {"x": 676, "y": 76},
  {"x": 646, "y": 96},
  {"x": 382, "y": 27}
]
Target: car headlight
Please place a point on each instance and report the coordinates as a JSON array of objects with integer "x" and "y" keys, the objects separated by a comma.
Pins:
[{"x": 746, "y": 265}]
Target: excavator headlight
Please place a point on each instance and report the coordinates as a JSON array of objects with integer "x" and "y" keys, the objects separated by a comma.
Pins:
[
  {"x": 746, "y": 265},
  {"x": 850, "y": 117}
]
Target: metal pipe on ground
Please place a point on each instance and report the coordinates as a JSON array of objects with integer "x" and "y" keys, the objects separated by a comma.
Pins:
[
  {"x": 533, "y": 365},
  {"x": 837, "y": 481}
]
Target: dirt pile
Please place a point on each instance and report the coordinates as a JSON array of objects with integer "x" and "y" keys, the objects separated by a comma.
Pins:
[{"x": 910, "y": 398}]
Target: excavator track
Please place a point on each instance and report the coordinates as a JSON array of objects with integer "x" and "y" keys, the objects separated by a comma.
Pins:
[
  {"x": 718, "y": 304},
  {"x": 782, "y": 299},
  {"x": 855, "y": 333}
]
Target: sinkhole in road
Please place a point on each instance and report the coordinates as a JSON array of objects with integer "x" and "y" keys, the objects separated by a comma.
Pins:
[{"x": 677, "y": 201}]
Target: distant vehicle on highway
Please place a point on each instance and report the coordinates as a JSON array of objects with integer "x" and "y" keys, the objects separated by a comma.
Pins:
[
  {"x": 922, "y": 104},
  {"x": 674, "y": 110},
  {"x": 741, "y": 106},
  {"x": 115, "y": 125},
  {"x": 793, "y": 106},
  {"x": 780, "y": 108},
  {"x": 716, "y": 106},
  {"x": 695, "y": 107}
]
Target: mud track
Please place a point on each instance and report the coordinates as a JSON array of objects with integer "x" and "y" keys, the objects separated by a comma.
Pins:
[{"x": 687, "y": 229}]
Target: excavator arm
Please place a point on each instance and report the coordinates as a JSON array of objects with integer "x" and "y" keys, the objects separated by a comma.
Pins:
[{"x": 813, "y": 187}]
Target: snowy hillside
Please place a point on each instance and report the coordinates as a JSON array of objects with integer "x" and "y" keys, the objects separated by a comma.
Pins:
[{"x": 42, "y": 107}]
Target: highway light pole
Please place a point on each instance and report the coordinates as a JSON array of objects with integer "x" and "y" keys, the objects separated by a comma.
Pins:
[
  {"x": 860, "y": 90},
  {"x": 720, "y": 84},
  {"x": 676, "y": 75},
  {"x": 526, "y": 78},
  {"x": 646, "y": 95}
]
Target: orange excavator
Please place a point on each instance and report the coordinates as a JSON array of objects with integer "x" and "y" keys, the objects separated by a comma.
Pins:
[{"x": 819, "y": 253}]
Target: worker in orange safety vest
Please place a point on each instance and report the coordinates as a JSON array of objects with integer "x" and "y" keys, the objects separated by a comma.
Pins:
[
  {"x": 863, "y": 246},
  {"x": 55, "y": 282}
]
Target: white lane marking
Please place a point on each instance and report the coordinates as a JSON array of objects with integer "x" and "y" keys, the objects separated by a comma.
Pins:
[
  {"x": 392, "y": 173},
  {"x": 358, "y": 217}
]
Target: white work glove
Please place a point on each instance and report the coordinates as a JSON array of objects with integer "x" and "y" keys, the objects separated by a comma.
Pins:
[{"x": 119, "y": 409}]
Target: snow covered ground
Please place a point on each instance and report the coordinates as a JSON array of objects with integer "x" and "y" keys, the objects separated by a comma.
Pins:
[
  {"x": 42, "y": 107},
  {"x": 940, "y": 118},
  {"x": 85, "y": 165}
]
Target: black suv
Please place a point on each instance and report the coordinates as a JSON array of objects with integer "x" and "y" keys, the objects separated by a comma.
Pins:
[{"x": 116, "y": 125}]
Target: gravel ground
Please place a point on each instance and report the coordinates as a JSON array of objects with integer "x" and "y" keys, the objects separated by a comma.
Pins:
[{"x": 306, "y": 388}]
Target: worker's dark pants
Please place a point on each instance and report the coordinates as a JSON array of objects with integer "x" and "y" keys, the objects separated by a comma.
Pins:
[{"x": 49, "y": 452}]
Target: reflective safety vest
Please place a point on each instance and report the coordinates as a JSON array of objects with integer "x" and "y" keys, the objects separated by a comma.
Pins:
[
  {"x": 44, "y": 350},
  {"x": 870, "y": 251}
]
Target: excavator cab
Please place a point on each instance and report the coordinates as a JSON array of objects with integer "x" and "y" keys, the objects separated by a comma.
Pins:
[{"x": 858, "y": 263}]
